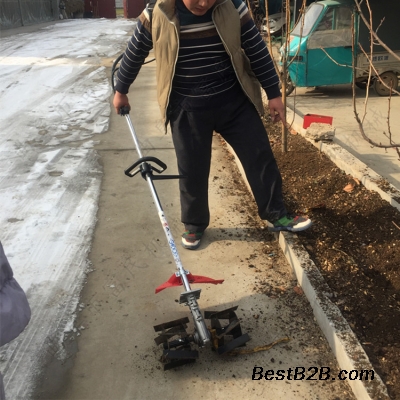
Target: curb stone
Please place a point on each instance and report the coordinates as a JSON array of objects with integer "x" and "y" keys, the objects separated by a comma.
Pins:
[{"x": 344, "y": 344}]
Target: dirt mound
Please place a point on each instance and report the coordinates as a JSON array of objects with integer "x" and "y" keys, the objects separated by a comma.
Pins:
[{"x": 355, "y": 243}]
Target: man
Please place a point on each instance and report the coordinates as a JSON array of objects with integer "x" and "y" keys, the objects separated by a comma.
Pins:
[{"x": 211, "y": 62}]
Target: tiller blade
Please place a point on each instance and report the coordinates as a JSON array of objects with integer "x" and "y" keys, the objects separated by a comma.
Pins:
[
  {"x": 176, "y": 342},
  {"x": 225, "y": 332},
  {"x": 225, "y": 338}
]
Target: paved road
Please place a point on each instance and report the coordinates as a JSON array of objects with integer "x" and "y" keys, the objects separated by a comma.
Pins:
[
  {"x": 109, "y": 352},
  {"x": 54, "y": 98}
]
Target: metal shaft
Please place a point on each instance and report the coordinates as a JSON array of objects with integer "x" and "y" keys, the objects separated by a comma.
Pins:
[
  {"x": 134, "y": 136},
  {"x": 202, "y": 335},
  {"x": 160, "y": 211}
]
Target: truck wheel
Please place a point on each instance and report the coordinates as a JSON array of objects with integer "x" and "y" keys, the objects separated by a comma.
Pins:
[
  {"x": 363, "y": 84},
  {"x": 390, "y": 79},
  {"x": 289, "y": 83}
]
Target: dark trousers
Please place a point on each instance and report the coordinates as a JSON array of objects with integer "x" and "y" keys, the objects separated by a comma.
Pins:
[{"x": 240, "y": 125}]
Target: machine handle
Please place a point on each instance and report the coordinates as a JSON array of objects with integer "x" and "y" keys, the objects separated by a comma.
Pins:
[
  {"x": 124, "y": 111},
  {"x": 144, "y": 160}
]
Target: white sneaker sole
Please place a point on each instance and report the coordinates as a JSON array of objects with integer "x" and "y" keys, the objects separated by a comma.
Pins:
[{"x": 190, "y": 245}]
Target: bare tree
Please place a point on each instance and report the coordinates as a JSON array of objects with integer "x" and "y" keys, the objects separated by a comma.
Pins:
[
  {"x": 373, "y": 73},
  {"x": 386, "y": 82}
]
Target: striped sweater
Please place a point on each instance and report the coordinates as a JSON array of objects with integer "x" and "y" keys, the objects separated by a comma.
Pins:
[{"x": 204, "y": 74}]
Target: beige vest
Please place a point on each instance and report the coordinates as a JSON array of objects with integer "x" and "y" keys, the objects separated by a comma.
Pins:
[{"x": 165, "y": 32}]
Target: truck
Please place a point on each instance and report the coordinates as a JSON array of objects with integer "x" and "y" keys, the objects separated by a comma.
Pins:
[{"x": 331, "y": 45}]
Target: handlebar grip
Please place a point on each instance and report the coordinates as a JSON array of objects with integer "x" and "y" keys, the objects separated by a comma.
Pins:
[
  {"x": 124, "y": 110},
  {"x": 145, "y": 160}
]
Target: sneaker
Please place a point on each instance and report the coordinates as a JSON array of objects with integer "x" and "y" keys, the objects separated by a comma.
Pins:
[
  {"x": 191, "y": 240},
  {"x": 289, "y": 223}
]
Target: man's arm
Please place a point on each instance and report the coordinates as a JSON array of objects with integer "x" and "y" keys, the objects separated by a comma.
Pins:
[
  {"x": 136, "y": 52},
  {"x": 261, "y": 62},
  {"x": 257, "y": 52}
]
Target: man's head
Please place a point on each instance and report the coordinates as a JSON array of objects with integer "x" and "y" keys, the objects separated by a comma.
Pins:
[{"x": 198, "y": 7}]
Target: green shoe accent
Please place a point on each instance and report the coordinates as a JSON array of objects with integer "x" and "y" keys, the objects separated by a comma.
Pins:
[
  {"x": 291, "y": 224},
  {"x": 284, "y": 221}
]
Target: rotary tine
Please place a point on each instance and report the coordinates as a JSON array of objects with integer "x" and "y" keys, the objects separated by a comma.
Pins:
[
  {"x": 221, "y": 333},
  {"x": 170, "y": 329},
  {"x": 168, "y": 334},
  {"x": 170, "y": 324},
  {"x": 238, "y": 342},
  {"x": 180, "y": 355},
  {"x": 176, "y": 358},
  {"x": 176, "y": 343}
]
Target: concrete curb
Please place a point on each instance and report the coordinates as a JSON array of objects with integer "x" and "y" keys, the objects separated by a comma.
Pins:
[{"x": 344, "y": 344}]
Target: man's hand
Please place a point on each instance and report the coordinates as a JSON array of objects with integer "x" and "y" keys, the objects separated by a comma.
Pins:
[
  {"x": 120, "y": 100},
  {"x": 277, "y": 110}
]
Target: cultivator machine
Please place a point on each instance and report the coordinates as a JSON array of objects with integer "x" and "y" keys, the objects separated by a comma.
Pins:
[{"x": 224, "y": 333}]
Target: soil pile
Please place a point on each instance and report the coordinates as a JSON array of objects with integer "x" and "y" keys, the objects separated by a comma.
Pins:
[{"x": 355, "y": 243}]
